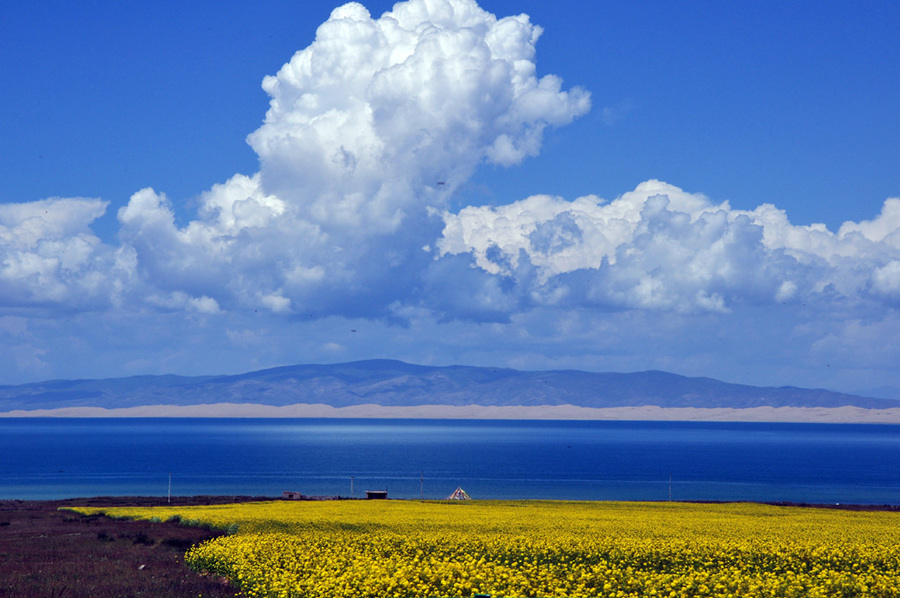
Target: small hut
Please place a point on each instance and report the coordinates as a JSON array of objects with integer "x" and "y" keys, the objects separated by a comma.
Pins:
[
  {"x": 376, "y": 494},
  {"x": 459, "y": 494}
]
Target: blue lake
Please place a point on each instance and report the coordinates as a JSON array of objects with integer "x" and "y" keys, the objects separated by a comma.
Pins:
[{"x": 824, "y": 463}]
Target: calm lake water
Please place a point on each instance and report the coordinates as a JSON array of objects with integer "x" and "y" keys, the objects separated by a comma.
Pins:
[{"x": 63, "y": 458}]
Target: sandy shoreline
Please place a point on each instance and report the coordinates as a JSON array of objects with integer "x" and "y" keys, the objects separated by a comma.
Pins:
[{"x": 841, "y": 415}]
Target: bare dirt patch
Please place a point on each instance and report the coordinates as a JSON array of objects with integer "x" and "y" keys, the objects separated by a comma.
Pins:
[{"x": 61, "y": 554}]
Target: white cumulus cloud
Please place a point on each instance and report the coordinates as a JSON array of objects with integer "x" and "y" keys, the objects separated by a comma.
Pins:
[
  {"x": 372, "y": 124},
  {"x": 50, "y": 257},
  {"x": 659, "y": 247}
]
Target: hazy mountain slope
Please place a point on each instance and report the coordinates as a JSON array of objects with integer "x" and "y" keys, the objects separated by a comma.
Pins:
[{"x": 394, "y": 383}]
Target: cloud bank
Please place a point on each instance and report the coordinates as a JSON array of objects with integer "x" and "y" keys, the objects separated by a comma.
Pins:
[
  {"x": 661, "y": 248},
  {"x": 370, "y": 132}
]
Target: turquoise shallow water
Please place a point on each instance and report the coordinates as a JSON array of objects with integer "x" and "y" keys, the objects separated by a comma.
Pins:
[{"x": 63, "y": 458}]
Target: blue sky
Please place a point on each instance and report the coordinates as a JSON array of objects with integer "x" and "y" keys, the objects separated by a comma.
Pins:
[{"x": 389, "y": 217}]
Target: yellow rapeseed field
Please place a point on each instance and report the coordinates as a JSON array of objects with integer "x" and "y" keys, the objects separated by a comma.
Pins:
[{"x": 424, "y": 549}]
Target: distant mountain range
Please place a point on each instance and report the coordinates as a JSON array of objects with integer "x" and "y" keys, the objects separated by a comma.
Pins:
[{"x": 399, "y": 384}]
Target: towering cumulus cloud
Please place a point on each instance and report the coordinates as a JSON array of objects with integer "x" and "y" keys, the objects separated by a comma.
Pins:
[{"x": 376, "y": 121}]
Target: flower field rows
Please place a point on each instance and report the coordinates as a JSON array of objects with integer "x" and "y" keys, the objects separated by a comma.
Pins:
[{"x": 539, "y": 548}]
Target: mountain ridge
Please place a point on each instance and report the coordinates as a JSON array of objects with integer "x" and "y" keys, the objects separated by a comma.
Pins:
[{"x": 393, "y": 383}]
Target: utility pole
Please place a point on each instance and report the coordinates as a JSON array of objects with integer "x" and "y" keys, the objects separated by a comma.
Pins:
[
  {"x": 351, "y": 486},
  {"x": 169, "y": 500},
  {"x": 422, "y": 484}
]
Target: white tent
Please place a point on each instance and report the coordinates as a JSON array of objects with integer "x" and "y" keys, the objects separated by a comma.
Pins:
[{"x": 459, "y": 494}]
